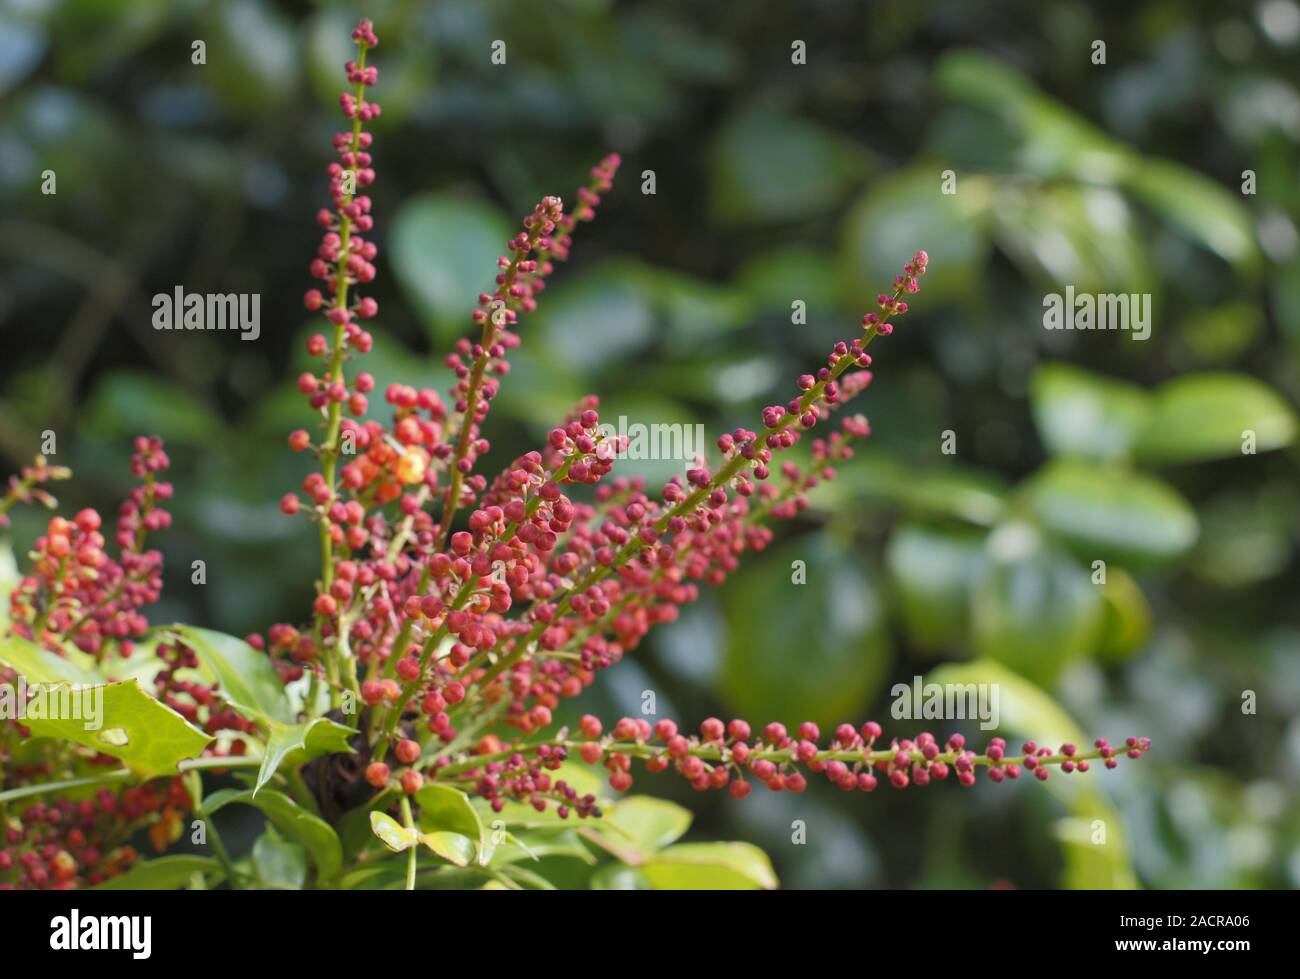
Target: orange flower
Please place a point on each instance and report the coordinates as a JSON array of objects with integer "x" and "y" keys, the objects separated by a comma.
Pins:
[{"x": 410, "y": 466}]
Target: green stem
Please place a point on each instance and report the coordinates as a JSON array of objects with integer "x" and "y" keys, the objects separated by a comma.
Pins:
[
  {"x": 194, "y": 782},
  {"x": 329, "y": 448},
  {"x": 121, "y": 775},
  {"x": 412, "y": 854},
  {"x": 714, "y": 752}
]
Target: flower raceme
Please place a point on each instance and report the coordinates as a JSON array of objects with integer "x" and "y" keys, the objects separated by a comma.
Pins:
[
  {"x": 727, "y": 756},
  {"x": 449, "y": 630},
  {"x": 76, "y": 593},
  {"x": 455, "y": 609}
]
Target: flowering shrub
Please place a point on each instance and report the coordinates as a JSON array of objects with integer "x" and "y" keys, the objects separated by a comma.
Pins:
[{"x": 412, "y": 710}]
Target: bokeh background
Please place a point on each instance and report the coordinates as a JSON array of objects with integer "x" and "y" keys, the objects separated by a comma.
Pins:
[{"x": 774, "y": 182}]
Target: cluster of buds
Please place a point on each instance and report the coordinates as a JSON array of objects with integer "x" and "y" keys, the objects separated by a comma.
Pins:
[
  {"x": 461, "y": 609},
  {"x": 466, "y": 627},
  {"x": 177, "y": 685},
  {"x": 26, "y": 487},
  {"x": 75, "y": 591},
  {"x": 70, "y": 844},
  {"x": 734, "y": 756}
]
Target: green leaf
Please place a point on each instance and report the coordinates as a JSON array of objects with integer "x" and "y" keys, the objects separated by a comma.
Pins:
[
  {"x": 118, "y": 719},
  {"x": 443, "y": 808},
  {"x": 164, "y": 874},
  {"x": 905, "y": 212},
  {"x": 1205, "y": 416},
  {"x": 258, "y": 63},
  {"x": 293, "y": 821},
  {"x": 1029, "y": 712},
  {"x": 277, "y": 863},
  {"x": 932, "y": 571},
  {"x": 643, "y": 826},
  {"x": 650, "y": 823},
  {"x": 9, "y": 578},
  {"x": 1084, "y": 414},
  {"x": 607, "y": 314},
  {"x": 696, "y": 310},
  {"x": 619, "y": 877},
  {"x": 246, "y": 677},
  {"x": 444, "y": 251},
  {"x": 1200, "y": 207},
  {"x": 520, "y": 877},
  {"x": 962, "y": 493},
  {"x": 391, "y": 833},
  {"x": 538, "y": 845},
  {"x": 1246, "y": 535},
  {"x": 1084, "y": 236},
  {"x": 143, "y": 733},
  {"x": 249, "y": 682},
  {"x": 126, "y": 402},
  {"x": 452, "y": 847},
  {"x": 772, "y": 280},
  {"x": 711, "y": 866},
  {"x": 1055, "y": 141},
  {"x": 1128, "y": 616},
  {"x": 300, "y": 743},
  {"x": 835, "y": 620},
  {"x": 1109, "y": 512},
  {"x": 1217, "y": 335},
  {"x": 40, "y": 665},
  {"x": 1032, "y": 608},
  {"x": 767, "y": 165}
]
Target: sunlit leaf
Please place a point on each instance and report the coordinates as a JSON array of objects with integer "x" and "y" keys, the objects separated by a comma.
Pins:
[
  {"x": 391, "y": 833},
  {"x": 443, "y": 808},
  {"x": 1128, "y": 616},
  {"x": 1200, "y": 207},
  {"x": 1105, "y": 512},
  {"x": 619, "y": 877},
  {"x": 444, "y": 252},
  {"x": 642, "y": 826},
  {"x": 300, "y": 743},
  {"x": 1032, "y": 607},
  {"x": 1211, "y": 415},
  {"x": 711, "y": 866},
  {"x": 452, "y": 847},
  {"x": 905, "y": 212},
  {"x": 118, "y": 719},
  {"x": 932, "y": 571},
  {"x": 1085, "y": 414}
]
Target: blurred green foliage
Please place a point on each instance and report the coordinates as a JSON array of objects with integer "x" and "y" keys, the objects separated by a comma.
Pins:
[{"x": 774, "y": 183}]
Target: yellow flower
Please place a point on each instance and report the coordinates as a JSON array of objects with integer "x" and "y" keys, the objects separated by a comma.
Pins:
[{"x": 410, "y": 466}]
